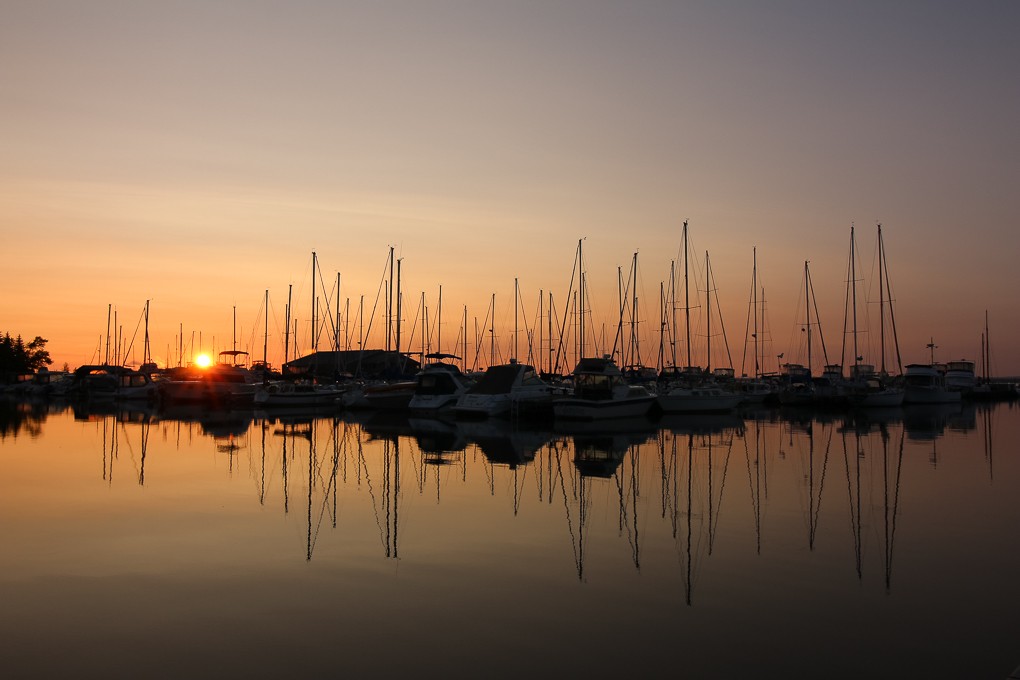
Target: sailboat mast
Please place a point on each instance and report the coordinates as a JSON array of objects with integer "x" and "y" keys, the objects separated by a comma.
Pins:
[
  {"x": 286, "y": 332},
  {"x": 807, "y": 311},
  {"x": 662, "y": 325},
  {"x": 763, "y": 329},
  {"x": 147, "y": 357},
  {"x": 853, "y": 275},
  {"x": 618, "y": 341},
  {"x": 439, "y": 322},
  {"x": 754, "y": 304},
  {"x": 672, "y": 312},
  {"x": 315, "y": 339},
  {"x": 550, "y": 332},
  {"x": 708, "y": 318},
  {"x": 892, "y": 309},
  {"x": 988, "y": 351},
  {"x": 580, "y": 315},
  {"x": 635, "y": 349},
  {"x": 389, "y": 305},
  {"x": 541, "y": 300},
  {"x": 687, "y": 297},
  {"x": 516, "y": 349},
  {"x": 265, "y": 337},
  {"x": 109, "y": 312},
  {"x": 881, "y": 303},
  {"x": 492, "y": 331},
  {"x": 398, "y": 303}
]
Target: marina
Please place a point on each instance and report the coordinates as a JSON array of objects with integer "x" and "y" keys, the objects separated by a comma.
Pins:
[
  {"x": 259, "y": 542},
  {"x": 500, "y": 340}
]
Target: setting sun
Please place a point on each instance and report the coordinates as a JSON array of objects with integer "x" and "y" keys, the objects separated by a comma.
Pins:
[{"x": 203, "y": 361}]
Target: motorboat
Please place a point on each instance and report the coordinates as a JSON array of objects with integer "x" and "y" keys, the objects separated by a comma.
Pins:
[
  {"x": 926, "y": 384},
  {"x": 136, "y": 386},
  {"x": 707, "y": 398},
  {"x": 503, "y": 388},
  {"x": 283, "y": 393},
  {"x": 601, "y": 391},
  {"x": 437, "y": 387}
]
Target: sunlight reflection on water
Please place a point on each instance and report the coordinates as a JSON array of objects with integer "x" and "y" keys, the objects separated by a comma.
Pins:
[{"x": 258, "y": 544}]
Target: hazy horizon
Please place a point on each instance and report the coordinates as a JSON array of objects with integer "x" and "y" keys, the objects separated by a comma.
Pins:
[{"x": 195, "y": 155}]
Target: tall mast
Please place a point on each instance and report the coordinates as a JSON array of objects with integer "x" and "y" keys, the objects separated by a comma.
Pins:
[
  {"x": 265, "y": 337},
  {"x": 881, "y": 303},
  {"x": 516, "y": 350},
  {"x": 618, "y": 340},
  {"x": 148, "y": 355},
  {"x": 988, "y": 351},
  {"x": 687, "y": 297},
  {"x": 662, "y": 325},
  {"x": 580, "y": 332},
  {"x": 347, "y": 315},
  {"x": 754, "y": 303},
  {"x": 492, "y": 331},
  {"x": 708, "y": 318},
  {"x": 635, "y": 353},
  {"x": 541, "y": 300},
  {"x": 463, "y": 361},
  {"x": 315, "y": 339},
  {"x": 439, "y": 322},
  {"x": 550, "y": 332},
  {"x": 109, "y": 312},
  {"x": 286, "y": 333},
  {"x": 762, "y": 327},
  {"x": 389, "y": 304},
  {"x": 888, "y": 292},
  {"x": 672, "y": 312},
  {"x": 398, "y": 303},
  {"x": 807, "y": 311},
  {"x": 853, "y": 274},
  {"x": 577, "y": 336}
]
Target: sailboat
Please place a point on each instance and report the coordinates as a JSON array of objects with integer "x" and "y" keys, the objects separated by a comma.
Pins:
[
  {"x": 693, "y": 393},
  {"x": 755, "y": 389},
  {"x": 866, "y": 388},
  {"x": 799, "y": 385}
]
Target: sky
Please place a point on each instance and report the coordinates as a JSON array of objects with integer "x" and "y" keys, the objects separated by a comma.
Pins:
[{"x": 195, "y": 154}]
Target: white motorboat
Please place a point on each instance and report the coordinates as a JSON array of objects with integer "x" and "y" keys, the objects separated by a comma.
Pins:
[
  {"x": 600, "y": 391},
  {"x": 438, "y": 387},
  {"x": 926, "y": 384},
  {"x": 285, "y": 393},
  {"x": 502, "y": 388},
  {"x": 680, "y": 398}
]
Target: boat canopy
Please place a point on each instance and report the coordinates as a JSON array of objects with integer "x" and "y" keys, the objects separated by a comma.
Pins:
[{"x": 498, "y": 379}]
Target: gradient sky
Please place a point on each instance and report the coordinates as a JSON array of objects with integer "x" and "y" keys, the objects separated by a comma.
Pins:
[{"x": 196, "y": 153}]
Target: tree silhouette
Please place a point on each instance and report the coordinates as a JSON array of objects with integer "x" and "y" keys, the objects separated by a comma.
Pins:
[{"x": 17, "y": 357}]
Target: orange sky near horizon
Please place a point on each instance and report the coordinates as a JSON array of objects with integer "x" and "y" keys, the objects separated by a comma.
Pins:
[{"x": 196, "y": 155}]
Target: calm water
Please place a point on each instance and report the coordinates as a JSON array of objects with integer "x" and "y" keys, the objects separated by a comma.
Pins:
[{"x": 267, "y": 545}]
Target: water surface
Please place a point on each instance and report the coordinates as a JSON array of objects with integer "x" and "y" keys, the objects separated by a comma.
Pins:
[{"x": 253, "y": 544}]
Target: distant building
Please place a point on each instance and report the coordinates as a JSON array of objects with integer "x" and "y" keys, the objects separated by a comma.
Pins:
[{"x": 369, "y": 363}]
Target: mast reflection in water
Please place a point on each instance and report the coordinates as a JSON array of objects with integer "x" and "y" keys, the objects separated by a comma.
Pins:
[{"x": 257, "y": 543}]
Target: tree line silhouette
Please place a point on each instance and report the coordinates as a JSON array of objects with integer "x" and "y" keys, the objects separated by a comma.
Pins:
[{"x": 16, "y": 357}]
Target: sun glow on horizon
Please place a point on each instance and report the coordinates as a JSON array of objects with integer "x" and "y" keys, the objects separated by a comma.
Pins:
[{"x": 203, "y": 361}]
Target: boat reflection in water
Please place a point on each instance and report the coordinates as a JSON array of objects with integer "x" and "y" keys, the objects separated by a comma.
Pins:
[{"x": 382, "y": 528}]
